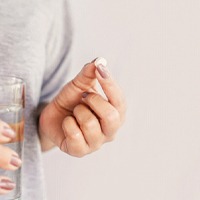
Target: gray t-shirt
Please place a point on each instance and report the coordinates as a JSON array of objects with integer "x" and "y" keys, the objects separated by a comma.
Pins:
[{"x": 35, "y": 42}]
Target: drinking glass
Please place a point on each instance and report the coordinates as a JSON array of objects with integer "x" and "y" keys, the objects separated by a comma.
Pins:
[{"x": 12, "y": 98}]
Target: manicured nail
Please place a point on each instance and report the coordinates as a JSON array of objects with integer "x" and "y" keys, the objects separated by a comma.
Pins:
[
  {"x": 101, "y": 63},
  {"x": 85, "y": 94},
  {"x": 15, "y": 161},
  {"x": 8, "y": 132},
  {"x": 7, "y": 184}
]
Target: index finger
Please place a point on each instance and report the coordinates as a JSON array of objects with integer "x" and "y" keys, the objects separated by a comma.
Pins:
[{"x": 110, "y": 87}]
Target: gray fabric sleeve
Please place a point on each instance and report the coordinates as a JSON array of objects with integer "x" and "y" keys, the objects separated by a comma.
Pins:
[{"x": 58, "y": 53}]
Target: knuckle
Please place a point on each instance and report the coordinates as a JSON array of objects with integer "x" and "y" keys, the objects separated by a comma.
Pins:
[
  {"x": 97, "y": 142},
  {"x": 74, "y": 136},
  {"x": 110, "y": 138},
  {"x": 113, "y": 116},
  {"x": 67, "y": 121},
  {"x": 92, "y": 97},
  {"x": 79, "y": 153},
  {"x": 90, "y": 123},
  {"x": 75, "y": 148},
  {"x": 76, "y": 108},
  {"x": 96, "y": 147},
  {"x": 70, "y": 129}
]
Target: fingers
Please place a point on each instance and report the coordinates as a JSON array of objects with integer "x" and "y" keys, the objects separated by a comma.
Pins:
[
  {"x": 109, "y": 116},
  {"x": 6, "y": 185},
  {"x": 98, "y": 120},
  {"x": 90, "y": 126},
  {"x": 6, "y": 133},
  {"x": 74, "y": 144},
  {"x": 83, "y": 132},
  {"x": 9, "y": 160}
]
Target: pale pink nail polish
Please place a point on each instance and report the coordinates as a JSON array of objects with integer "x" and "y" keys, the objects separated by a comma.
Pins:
[
  {"x": 15, "y": 161},
  {"x": 8, "y": 132},
  {"x": 101, "y": 63},
  {"x": 103, "y": 71},
  {"x": 7, "y": 184},
  {"x": 85, "y": 94}
]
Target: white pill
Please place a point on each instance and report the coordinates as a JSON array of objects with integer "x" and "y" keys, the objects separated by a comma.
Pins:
[{"x": 100, "y": 61}]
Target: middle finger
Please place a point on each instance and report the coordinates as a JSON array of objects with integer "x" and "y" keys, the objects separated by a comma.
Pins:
[
  {"x": 9, "y": 160},
  {"x": 90, "y": 126},
  {"x": 108, "y": 114}
]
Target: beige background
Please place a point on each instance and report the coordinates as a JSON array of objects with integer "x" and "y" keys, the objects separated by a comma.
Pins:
[{"x": 153, "y": 50}]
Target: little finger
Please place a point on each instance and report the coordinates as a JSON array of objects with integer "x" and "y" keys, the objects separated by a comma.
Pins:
[{"x": 6, "y": 185}]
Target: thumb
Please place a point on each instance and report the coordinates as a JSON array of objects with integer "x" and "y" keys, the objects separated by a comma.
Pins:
[{"x": 71, "y": 93}]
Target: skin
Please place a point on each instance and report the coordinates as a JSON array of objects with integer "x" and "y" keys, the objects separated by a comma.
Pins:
[{"x": 79, "y": 120}]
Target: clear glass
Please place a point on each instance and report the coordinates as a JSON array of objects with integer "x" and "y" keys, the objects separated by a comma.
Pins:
[{"x": 12, "y": 98}]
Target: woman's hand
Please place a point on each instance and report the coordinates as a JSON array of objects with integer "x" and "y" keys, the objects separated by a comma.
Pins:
[
  {"x": 80, "y": 119},
  {"x": 9, "y": 160}
]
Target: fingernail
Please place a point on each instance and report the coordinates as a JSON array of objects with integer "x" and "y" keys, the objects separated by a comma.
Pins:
[
  {"x": 85, "y": 94},
  {"x": 101, "y": 63},
  {"x": 7, "y": 184},
  {"x": 8, "y": 132},
  {"x": 15, "y": 161}
]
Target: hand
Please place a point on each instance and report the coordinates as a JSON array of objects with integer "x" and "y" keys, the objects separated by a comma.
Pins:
[
  {"x": 80, "y": 120},
  {"x": 9, "y": 160}
]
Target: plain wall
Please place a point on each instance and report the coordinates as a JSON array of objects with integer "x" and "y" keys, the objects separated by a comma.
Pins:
[{"x": 153, "y": 50}]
